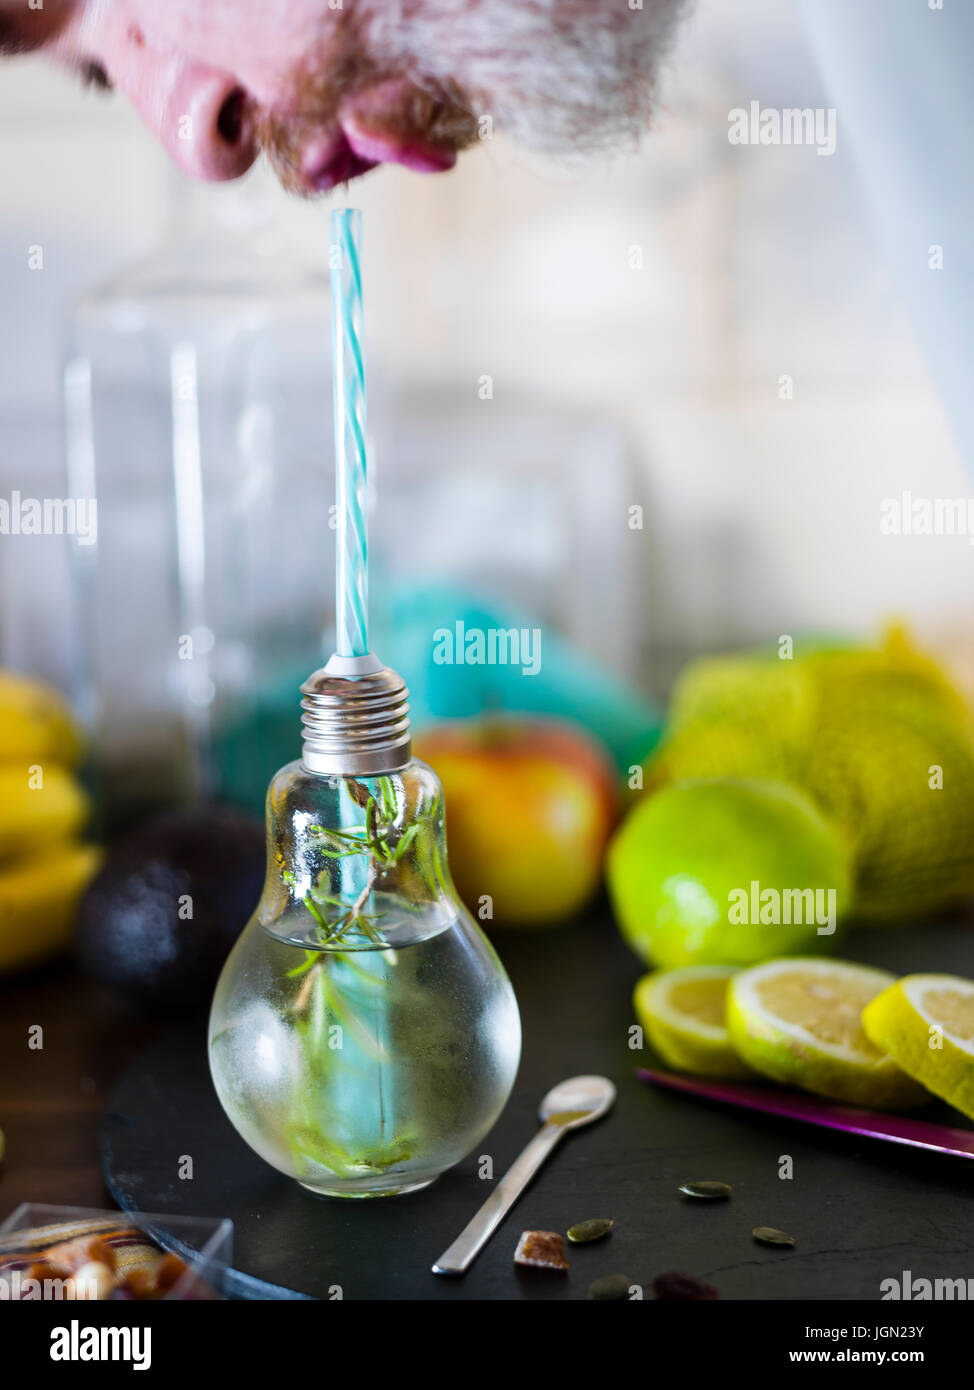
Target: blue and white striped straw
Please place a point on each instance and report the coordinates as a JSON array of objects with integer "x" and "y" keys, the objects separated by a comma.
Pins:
[{"x": 348, "y": 376}]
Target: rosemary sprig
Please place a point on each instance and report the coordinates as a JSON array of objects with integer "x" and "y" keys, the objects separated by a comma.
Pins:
[{"x": 374, "y": 839}]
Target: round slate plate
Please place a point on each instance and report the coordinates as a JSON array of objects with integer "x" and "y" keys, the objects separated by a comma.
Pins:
[{"x": 861, "y": 1211}]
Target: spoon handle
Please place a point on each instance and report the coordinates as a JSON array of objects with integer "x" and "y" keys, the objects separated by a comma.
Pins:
[{"x": 475, "y": 1235}]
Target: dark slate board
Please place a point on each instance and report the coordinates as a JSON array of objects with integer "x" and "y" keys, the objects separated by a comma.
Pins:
[{"x": 862, "y": 1211}]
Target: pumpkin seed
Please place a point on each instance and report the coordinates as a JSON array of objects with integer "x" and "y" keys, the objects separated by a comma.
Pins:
[
  {"x": 769, "y": 1235},
  {"x": 610, "y": 1286},
  {"x": 707, "y": 1191},
  {"x": 585, "y": 1231}
]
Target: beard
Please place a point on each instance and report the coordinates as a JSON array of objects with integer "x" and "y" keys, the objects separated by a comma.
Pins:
[{"x": 575, "y": 78}]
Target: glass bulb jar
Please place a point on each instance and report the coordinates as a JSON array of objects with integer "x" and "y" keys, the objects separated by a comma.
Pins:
[{"x": 364, "y": 1035}]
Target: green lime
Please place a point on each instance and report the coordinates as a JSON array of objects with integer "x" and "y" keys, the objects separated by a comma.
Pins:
[
  {"x": 726, "y": 871},
  {"x": 879, "y": 739}
]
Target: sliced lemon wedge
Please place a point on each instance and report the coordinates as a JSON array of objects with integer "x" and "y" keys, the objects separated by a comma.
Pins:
[
  {"x": 683, "y": 1012},
  {"x": 926, "y": 1024},
  {"x": 800, "y": 1021}
]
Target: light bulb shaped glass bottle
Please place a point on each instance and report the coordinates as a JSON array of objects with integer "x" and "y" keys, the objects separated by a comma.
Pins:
[{"x": 364, "y": 1036}]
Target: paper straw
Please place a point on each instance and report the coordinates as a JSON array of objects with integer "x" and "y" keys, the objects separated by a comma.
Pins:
[{"x": 348, "y": 376}]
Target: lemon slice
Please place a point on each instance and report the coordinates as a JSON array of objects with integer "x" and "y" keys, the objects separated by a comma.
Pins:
[
  {"x": 799, "y": 1021},
  {"x": 683, "y": 1013},
  {"x": 926, "y": 1024}
]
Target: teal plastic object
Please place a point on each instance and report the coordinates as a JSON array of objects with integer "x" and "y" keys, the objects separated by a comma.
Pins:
[
  {"x": 441, "y": 642},
  {"x": 567, "y": 685}
]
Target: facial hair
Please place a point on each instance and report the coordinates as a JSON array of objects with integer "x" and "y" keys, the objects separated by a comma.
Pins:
[
  {"x": 574, "y": 78},
  {"x": 563, "y": 77}
]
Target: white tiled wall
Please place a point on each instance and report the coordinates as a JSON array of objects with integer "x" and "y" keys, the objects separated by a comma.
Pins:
[{"x": 755, "y": 263}]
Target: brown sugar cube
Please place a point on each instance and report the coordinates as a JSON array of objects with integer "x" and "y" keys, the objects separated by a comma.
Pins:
[{"x": 541, "y": 1250}]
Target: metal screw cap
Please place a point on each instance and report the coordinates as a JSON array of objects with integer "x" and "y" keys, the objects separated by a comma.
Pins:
[{"x": 355, "y": 717}]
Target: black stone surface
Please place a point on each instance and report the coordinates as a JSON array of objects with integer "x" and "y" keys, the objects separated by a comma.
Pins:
[{"x": 862, "y": 1211}]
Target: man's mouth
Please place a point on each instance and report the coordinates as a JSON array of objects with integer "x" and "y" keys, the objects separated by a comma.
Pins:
[
  {"x": 316, "y": 144},
  {"x": 331, "y": 160},
  {"x": 350, "y": 150}
]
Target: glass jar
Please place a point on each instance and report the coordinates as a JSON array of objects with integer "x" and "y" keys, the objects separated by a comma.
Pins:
[{"x": 197, "y": 402}]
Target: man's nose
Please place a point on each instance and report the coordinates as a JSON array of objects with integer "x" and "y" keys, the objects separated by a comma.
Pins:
[
  {"x": 209, "y": 128},
  {"x": 202, "y": 115}
]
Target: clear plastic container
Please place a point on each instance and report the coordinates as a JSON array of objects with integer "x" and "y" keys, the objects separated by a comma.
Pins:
[{"x": 204, "y": 1244}]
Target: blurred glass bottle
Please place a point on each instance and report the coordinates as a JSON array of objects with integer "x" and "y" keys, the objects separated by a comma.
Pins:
[{"x": 198, "y": 415}]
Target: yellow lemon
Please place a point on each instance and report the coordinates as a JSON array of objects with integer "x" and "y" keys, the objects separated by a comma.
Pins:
[
  {"x": 39, "y": 901},
  {"x": 36, "y": 723},
  {"x": 38, "y": 807}
]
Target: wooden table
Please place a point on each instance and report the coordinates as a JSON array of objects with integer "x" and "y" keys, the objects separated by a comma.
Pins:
[{"x": 51, "y": 1097}]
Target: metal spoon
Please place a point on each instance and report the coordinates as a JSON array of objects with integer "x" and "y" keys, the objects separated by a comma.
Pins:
[{"x": 569, "y": 1105}]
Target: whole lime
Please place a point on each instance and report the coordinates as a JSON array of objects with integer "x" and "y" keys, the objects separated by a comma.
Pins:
[{"x": 727, "y": 871}]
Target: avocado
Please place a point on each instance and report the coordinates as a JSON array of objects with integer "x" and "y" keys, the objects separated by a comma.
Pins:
[{"x": 156, "y": 923}]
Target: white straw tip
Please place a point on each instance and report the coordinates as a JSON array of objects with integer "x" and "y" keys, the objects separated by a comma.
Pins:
[{"x": 352, "y": 667}]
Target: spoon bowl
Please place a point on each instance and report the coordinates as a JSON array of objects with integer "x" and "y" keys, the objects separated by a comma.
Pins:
[{"x": 577, "y": 1101}]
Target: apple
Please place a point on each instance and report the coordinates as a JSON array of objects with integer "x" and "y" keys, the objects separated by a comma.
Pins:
[{"x": 530, "y": 804}]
